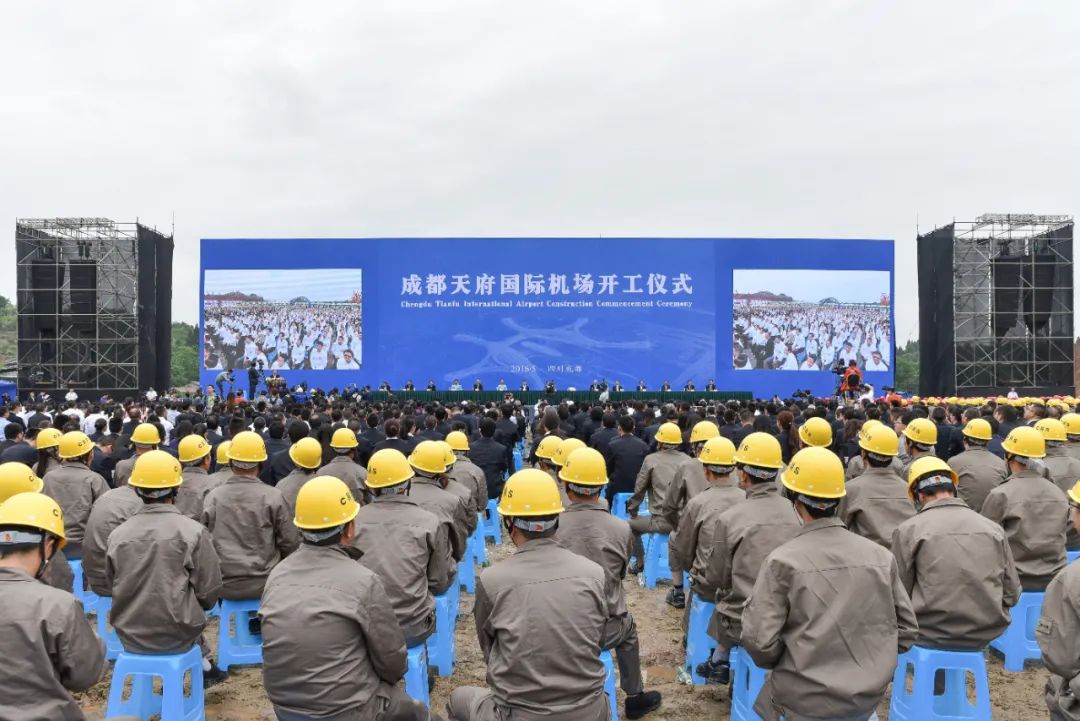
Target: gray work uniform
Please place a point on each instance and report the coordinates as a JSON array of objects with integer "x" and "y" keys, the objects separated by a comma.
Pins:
[
  {"x": 692, "y": 543},
  {"x": 540, "y": 619},
  {"x": 470, "y": 475},
  {"x": 408, "y": 548},
  {"x": 253, "y": 530},
  {"x": 979, "y": 471},
  {"x": 1057, "y": 631},
  {"x": 450, "y": 509},
  {"x": 192, "y": 492},
  {"x": 653, "y": 480},
  {"x": 875, "y": 505},
  {"x": 163, "y": 575},
  {"x": 958, "y": 570},
  {"x": 743, "y": 537},
  {"x": 332, "y": 648},
  {"x": 907, "y": 460},
  {"x": 58, "y": 574},
  {"x": 49, "y": 649},
  {"x": 688, "y": 481},
  {"x": 466, "y": 496},
  {"x": 111, "y": 510},
  {"x": 122, "y": 471},
  {"x": 590, "y": 531},
  {"x": 1033, "y": 512},
  {"x": 1073, "y": 449},
  {"x": 74, "y": 487},
  {"x": 1064, "y": 471},
  {"x": 290, "y": 486},
  {"x": 351, "y": 473},
  {"x": 828, "y": 615},
  {"x": 856, "y": 466}
]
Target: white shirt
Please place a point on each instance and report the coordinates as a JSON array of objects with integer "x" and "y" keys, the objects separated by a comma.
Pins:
[
  {"x": 872, "y": 365},
  {"x": 1013, "y": 395},
  {"x": 71, "y": 395},
  {"x": 318, "y": 359},
  {"x": 348, "y": 365},
  {"x": 151, "y": 395}
]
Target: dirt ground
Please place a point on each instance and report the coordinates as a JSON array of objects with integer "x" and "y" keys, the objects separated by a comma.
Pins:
[{"x": 1015, "y": 697}]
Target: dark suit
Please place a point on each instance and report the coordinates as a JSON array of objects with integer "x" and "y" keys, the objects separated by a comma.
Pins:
[
  {"x": 625, "y": 455},
  {"x": 397, "y": 444},
  {"x": 430, "y": 434},
  {"x": 280, "y": 465},
  {"x": 36, "y": 420},
  {"x": 506, "y": 434},
  {"x": 373, "y": 436},
  {"x": 948, "y": 440},
  {"x": 741, "y": 433},
  {"x": 602, "y": 439},
  {"x": 490, "y": 456},
  {"x": 22, "y": 453},
  {"x": 470, "y": 422}
]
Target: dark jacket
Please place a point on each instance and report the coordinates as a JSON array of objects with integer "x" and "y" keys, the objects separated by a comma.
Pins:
[
  {"x": 490, "y": 456},
  {"x": 280, "y": 465},
  {"x": 625, "y": 455}
]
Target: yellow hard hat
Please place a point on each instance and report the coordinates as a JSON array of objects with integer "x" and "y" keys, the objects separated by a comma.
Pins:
[
  {"x": 547, "y": 447},
  {"x": 428, "y": 456},
  {"x": 32, "y": 510},
  {"x": 306, "y": 453},
  {"x": 921, "y": 431},
  {"x": 324, "y": 502},
  {"x": 192, "y": 448},
  {"x": 718, "y": 451},
  {"x": 761, "y": 450},
  {"x": 155, "y": 469},
  {"x": 1074, "y": 493},
  {"x": 815, "y": 472},
  {"x": 247, "y": 447},
  {"x": 979, "y": 429},
  {"x": 17, "y": 477},
  {"x": 872, "y": 423},
  {"x": 1025, "y": 441},
  {"x": 928, "y": 466},
  {"x": 703, "y": 431},
  {"x": 584, "y": 467},
  {"x": 388, "y": 467},
  {"x": 530, "y": 492},
  {"x": 145, "y": 434},
  {"x": 451, "y": 459},
  {"x": 1052, "y": 429},
  {"x": 564, "y": 450},
  {"x": 222, "y": 455},
  {"x": 343, "y": 439},
  {"x": 816, "y": 432},
  {"x": 669, "y": 433},
  {"x": 48, "y": 438},
  {"x": 880, "y": 440},
  {"x": 1072, "y": 423},
  {"x": 75, "y": 444},
  {"x": 458, "y": 440}
]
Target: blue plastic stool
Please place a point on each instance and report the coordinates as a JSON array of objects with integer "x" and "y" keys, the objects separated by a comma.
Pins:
[
  {"x": 87, "y": 598},
  {"x": 171, "y": 704},
  {"x": 618, "y": 505},
  {"x": 921, "y": 704},
  {"x": 113, "y": 647},
  {"x": 479, "y": 547},
  {"x": 241, "y": 647},
  {"x": 416, "y": 675},
  {"x": 517, "y": 460},
  {"x": 441, "y": 645},
  {"x": 609, "y": 683},
  {"x": 1018, "y": 643},
  {"x": 490, "y": 526},
  {"x": 467, "y": 567},
  {"x": 214, "y": 612},
  {"x": 656, "y": 559},
  {"x": 698, "y": 643},
  {"x": 746, "y": 682},
  {"x": 1072, "y": 555}
]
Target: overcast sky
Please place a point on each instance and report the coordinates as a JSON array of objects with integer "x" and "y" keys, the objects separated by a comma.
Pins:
[
  {"x": 811, "y": 286},
  {"x": 801, "y": 118}
]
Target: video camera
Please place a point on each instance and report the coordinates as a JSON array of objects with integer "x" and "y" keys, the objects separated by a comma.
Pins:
[{"x": 838, "y": 367}]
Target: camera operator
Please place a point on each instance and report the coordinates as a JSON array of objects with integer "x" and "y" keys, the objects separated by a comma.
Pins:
[
  {"x": 225, "y": 376},
  {"x": 852, "y": 380}
]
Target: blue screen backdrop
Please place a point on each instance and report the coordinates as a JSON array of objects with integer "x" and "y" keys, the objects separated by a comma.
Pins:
[{"x": 567, "y": 309}]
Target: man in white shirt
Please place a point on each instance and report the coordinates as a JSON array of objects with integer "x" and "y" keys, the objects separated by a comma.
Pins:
[
  {"x": 456, "y": 385},
  {"x": 71, "y": 396},
  {"x": 318, "y": 356},
  {"x": 501, "y": 387},
  {"x": 1013, "y": 395},
  {"x": 347, "y": 362},
  {"x": 876, "y": 363},
  {"x": 810, "y": 364},
  {"x": 151, "y": 394}
]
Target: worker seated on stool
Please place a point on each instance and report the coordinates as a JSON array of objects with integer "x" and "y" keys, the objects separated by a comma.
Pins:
[
  {"x": 1057, "y": 631},
  {"x": 332, "y": 647},
  {"x": 654, "y": 479}
]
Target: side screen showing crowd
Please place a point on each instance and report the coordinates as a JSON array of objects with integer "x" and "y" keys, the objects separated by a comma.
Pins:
[
  {"x": 771, "y": 335},
  {"x": 282, "y": 336}
]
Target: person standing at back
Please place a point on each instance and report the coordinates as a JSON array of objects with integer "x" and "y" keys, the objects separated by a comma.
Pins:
[
  {"x": 625, "y": 455},
  {"x": 48, "y": 646},
  {"x": 1032, "y": 510},
  {"x": 977, "y": 469},
  {"x": 332, "y": 648},
  {"x": 955, "y": 564},
  {"x": 828, "y": 614},
  {"x": 543, "y": 665},
  {"x": 249, "y": 521},
  {"x": 490, "y": 457},
  {"x": 587, "y": 529}
]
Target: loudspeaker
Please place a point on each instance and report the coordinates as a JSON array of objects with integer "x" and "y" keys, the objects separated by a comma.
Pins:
[{"x": 83, "y": 288}]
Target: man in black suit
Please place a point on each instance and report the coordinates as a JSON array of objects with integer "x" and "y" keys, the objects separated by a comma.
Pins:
[
  {"x": 625, "y": 454},
  {"x": 281, "y": 464},
  {"x": 506, "y": 432},
  {"x": 39, "y": 415},
  {"x": 430, "y": 433},
  {"x": 469, "y": 419},
  {"x": 490, "y": 456},
  {"x": 373, "y": 435},
  {"x": 601, "y": 439},
  {"x": 442, "y": 418},
  {"x": 745, "y": 428}
]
